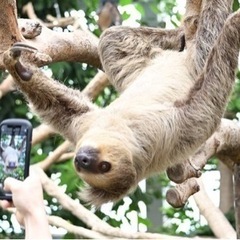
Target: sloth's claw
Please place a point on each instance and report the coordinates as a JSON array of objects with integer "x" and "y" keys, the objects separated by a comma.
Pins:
[
  {"x": 17, "y": 48},
  {"x": 24, "y": 46},
  {"x": 24, "y": 73}
]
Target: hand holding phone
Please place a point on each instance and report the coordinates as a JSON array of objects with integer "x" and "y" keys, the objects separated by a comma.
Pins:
[
  {"x": 30, "y": 208},
  {"x": 15, "y": 146}
]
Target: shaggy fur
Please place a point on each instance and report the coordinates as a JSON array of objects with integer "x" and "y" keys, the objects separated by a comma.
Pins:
[{"x": 170, "y": 102}]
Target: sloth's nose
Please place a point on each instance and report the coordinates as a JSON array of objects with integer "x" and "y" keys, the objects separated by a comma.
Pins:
[{"x": 86, "y": 159}]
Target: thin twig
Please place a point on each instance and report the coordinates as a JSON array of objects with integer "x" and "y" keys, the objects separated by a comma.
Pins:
[{"x": 55, "y": 155}]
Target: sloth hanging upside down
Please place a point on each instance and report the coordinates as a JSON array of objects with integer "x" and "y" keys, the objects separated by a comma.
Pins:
[{"x": 170, "y": 101}]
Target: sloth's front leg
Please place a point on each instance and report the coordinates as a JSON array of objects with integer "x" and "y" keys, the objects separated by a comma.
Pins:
[{"x": 55, "y": 103}]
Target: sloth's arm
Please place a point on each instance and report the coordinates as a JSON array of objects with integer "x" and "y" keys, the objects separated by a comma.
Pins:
[
  {"x": 199, "y": 115},
  {"x": 53, "y": 102}
]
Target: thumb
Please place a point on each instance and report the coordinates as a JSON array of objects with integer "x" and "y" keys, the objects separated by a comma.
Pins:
[{"x": 11, "y": 183}]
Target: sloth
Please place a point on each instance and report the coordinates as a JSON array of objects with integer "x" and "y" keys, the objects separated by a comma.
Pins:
[{"x": 170, "y": 101}]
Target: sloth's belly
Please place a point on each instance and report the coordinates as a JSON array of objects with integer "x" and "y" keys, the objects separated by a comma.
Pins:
[{"x": 165, "y": 80}]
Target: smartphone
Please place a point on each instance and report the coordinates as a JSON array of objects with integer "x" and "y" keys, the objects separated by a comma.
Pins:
[{"x": 15, "y": 147}]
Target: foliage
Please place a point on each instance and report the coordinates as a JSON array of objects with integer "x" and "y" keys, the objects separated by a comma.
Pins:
[{"x": 156, "y": 13}]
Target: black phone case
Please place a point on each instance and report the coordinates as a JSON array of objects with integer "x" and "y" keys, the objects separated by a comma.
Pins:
[{"x": 19, "y": 123}]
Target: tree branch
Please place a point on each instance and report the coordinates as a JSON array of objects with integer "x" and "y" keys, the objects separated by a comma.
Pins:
[
  {"x": 77, "y": 46},
  {"x": 89, "y": 218},
  {"x": 9, "y": 32},
  {"x": 29, "y": 10},
  {"x": 80, "y": 231},
  {"x": 41, "y": 133},
  {"x": 57, "y": 153},
  {"x": 65, "y": 157},
  {"x": 178, "y": 196},
  {"x": 96, "y": 85},
  {"x": 215, "y": 218}
]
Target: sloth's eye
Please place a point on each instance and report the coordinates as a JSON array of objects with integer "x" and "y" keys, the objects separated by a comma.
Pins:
[{"x": 104, "y": 166}]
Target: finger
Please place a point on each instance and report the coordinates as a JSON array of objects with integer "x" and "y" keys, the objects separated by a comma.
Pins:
[
  {"x": 11, "y": 183},
  {"x": 6, "y": 204}
]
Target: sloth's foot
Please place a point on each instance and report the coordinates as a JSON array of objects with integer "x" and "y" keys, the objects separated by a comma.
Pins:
[
  {"x": 11, "y": 59},
  {"x": 24, "y": 73},
  {"x": 21, "y": 70}
]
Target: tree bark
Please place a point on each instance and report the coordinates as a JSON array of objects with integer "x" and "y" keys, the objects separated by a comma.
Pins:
[
  {"x": 77, "y": 46},
  {"x": 9, "y": 32}
]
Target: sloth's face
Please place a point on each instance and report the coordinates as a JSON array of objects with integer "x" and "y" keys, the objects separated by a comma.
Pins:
[{"x": 105, "y": 163}]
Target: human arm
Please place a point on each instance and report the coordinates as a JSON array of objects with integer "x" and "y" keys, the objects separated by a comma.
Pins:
[{"x": 27, "y": 197}]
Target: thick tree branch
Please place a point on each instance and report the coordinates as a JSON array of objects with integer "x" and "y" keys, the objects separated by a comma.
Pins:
[
  {"x": 226, "y": 188},
  {"x": 77, "y": 46},
  {"x": 9, "y": 32},
  {"x": 178, "y": 196}
]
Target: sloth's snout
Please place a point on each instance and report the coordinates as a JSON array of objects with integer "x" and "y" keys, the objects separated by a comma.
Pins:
[
  {"x": 86, "y": 158},
  {"x": 85, "y": 161}
]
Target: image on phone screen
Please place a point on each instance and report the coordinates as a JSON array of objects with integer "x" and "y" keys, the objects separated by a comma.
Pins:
[{"x": 12, "y": 153}]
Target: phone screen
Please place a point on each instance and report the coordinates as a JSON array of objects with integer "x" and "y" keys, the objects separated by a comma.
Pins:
[{"x": 13, "y": 143}]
